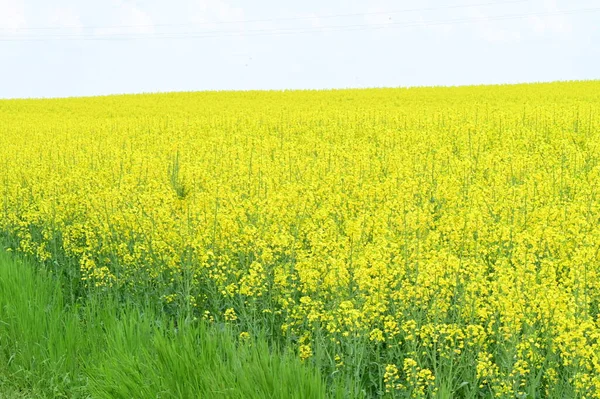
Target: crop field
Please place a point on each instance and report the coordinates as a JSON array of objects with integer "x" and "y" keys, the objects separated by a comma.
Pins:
[{"x": 405, "y": 243}]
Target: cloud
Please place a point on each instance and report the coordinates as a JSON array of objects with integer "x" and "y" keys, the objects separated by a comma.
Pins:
[
  {"x": 128, "y": 19},
  {"x": 12, "y": 16},
  {"x": 133, "y": 16},
  {"x": 314, "y": 20},
  {"x": 413, "y": 19},
  {"x": 552, "y": 24},
  {"x": 518, "y": 29},
  {"x": 65, "y": 18},
  {"x": 208, "y": 11},
  {"x": 502, "y": 31},
  {"x": 376, "y": 16}
]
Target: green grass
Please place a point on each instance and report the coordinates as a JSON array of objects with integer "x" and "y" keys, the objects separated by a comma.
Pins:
[{"x": 53, "y": 347}]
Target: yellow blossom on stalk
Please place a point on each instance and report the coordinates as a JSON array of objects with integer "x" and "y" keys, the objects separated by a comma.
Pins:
[
  {"x": 305, "y": 351},
  {"x": 376, "y": 335},
  {"x": 391, "y": 378},
  {"x": 230, "y": 315},
  {"x": 338, "y": 361},
  {"x": 244, "y": 335}
]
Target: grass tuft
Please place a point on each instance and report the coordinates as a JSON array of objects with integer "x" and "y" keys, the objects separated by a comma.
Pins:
[{"x": 100, "y": 348}]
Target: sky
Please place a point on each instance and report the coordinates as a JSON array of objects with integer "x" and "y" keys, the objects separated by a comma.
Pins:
[{"x": 64, "y": 48}]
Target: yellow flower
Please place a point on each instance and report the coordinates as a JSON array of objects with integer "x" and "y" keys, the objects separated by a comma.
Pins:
[
  {"x": 305, "y": 351},
  {"x": 230, "y": 315},
  {"x": 376, "y": 335},
  {"x": 391, "y": 377}
]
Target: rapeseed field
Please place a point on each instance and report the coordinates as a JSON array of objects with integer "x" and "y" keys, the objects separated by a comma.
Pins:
[{"x": 412, "y": 243}]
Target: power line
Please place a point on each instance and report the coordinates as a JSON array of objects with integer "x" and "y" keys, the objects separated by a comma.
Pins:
[
  {"x": 279, "y": 32},
  {"x": 281, "y": 19}
]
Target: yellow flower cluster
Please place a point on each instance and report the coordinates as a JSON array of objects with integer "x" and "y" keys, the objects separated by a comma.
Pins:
[{"x": 435, "y": 226}]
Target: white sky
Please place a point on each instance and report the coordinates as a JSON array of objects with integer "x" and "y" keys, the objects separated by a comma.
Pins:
[{"x": 131, "y": 46}]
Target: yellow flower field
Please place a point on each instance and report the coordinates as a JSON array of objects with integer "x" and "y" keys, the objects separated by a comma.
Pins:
[{"x": 433, "y": 241}]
